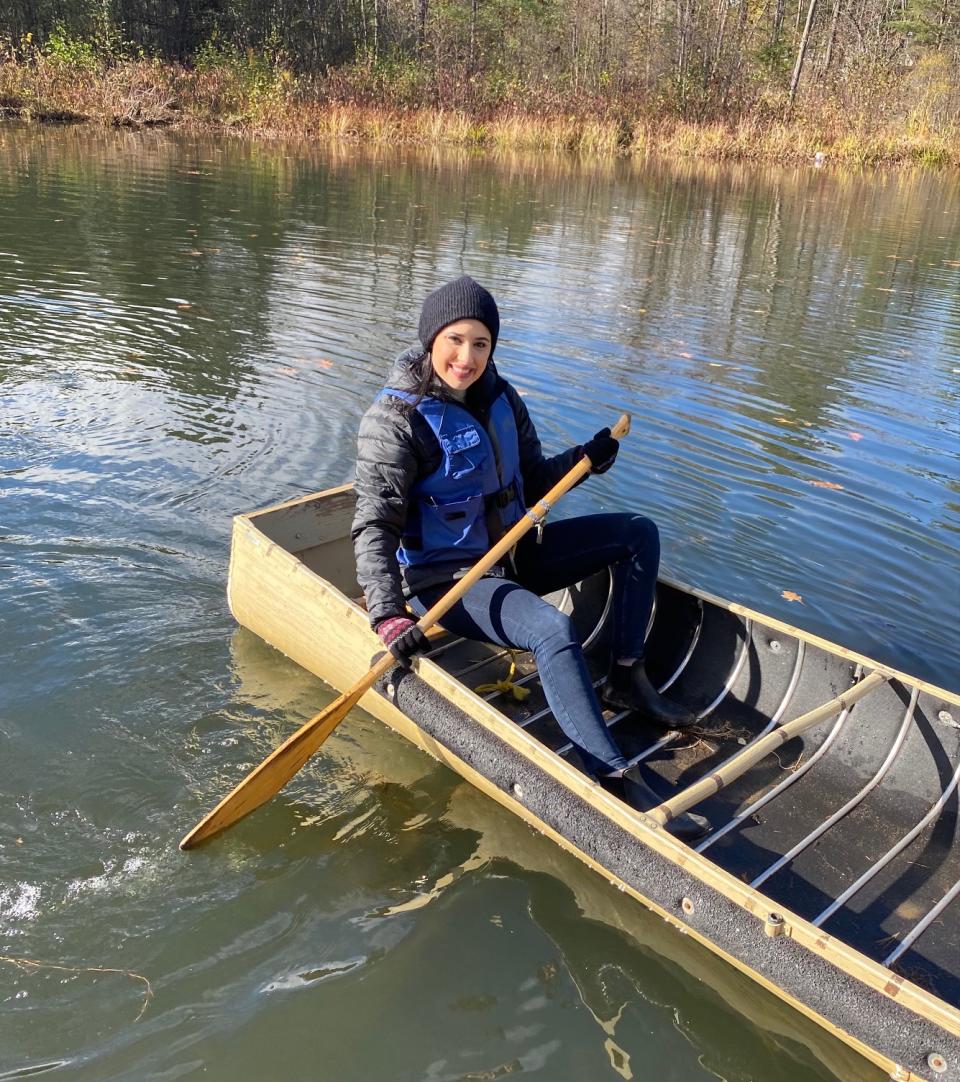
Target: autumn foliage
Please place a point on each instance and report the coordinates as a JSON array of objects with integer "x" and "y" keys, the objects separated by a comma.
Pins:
[{"x": 859, "y": 81}]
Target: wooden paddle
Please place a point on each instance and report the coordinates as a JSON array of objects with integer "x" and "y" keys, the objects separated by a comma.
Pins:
[{"x": 279, "y": 767}]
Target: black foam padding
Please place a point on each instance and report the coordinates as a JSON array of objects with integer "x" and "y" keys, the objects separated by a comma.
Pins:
[{"x": 873, "y": 1018}]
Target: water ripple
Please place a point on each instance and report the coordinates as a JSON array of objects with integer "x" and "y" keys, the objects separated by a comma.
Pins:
[{"x": 190, "y": 329}]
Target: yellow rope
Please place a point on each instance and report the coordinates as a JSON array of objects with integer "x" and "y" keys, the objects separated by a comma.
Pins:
[
  {"x": 506, "y": 685},
  {"x": 31, "y": 963}
]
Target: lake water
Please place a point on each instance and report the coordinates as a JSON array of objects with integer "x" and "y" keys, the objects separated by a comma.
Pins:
[{"x": 192, "y": 327}]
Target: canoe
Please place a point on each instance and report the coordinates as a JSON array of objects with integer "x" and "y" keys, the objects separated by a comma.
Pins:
[{"x": 830, "y": 877}]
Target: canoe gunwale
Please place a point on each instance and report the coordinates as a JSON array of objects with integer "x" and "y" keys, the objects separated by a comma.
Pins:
[
  {"x": 648, "y": 832},
  {"x": 638, "y": 826}
]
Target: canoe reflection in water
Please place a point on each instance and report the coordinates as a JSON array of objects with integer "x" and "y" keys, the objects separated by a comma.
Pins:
[{"x": 830, "y": 875}]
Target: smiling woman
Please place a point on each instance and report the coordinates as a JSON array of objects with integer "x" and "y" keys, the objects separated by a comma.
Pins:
[{"x": 448, "y": 459}]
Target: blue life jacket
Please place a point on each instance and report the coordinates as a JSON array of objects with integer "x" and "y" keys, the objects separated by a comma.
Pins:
[{"x": 454, "y": 510}]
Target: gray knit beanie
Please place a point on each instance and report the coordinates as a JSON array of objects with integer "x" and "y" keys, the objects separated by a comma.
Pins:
[{"x": 463, "y": 298}]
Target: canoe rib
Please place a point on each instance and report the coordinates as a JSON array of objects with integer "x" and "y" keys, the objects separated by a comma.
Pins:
[
  {"x": 852, "y": 803},
  {"x": 902, "y": 844},
  {"x": 923, "y": 924}
]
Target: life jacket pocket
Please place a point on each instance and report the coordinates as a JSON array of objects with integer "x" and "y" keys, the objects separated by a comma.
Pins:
[
  {"x": 453, "y": 525},
  {"x": 462, "y": 452}
]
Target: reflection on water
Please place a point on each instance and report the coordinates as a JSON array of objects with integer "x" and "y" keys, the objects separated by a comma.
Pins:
[
  {"x": 191, "y": 328},
  {"x": 788, "y": 341}
]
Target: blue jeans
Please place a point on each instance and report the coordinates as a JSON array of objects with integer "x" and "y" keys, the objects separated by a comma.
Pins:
[{"x": 510, "y": 612}]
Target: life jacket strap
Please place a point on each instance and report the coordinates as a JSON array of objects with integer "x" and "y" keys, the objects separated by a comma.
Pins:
[{"x": 503, "y": 496}]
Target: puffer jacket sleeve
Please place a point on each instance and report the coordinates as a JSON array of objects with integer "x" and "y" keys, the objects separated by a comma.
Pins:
[
  {"x": 540, "y": 474},
  {"x": 387, "y": 467}
]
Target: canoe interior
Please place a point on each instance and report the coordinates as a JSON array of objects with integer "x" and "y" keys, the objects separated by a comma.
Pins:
[{"x": 824, "y": 820}]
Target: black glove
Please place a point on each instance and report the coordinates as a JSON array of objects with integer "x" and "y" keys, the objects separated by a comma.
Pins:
[
  {"x": 403, "y": 638},
  {"x": 602, "y": 451}
]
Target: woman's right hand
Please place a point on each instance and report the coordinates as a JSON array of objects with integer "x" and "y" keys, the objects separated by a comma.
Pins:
[{"x": 402, "y": 637}]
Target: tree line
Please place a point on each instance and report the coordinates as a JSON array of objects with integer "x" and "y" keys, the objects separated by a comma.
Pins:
[{"x": 699, "y": 59}]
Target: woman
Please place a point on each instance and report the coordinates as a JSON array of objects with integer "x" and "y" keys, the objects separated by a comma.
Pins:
[{"x": 447, "y": 460}]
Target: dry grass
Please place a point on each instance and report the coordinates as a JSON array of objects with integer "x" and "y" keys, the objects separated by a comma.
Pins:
[{"x": 269, "y": 101}]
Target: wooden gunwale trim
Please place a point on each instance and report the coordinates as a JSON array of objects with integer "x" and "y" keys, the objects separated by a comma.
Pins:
[
  {"x": 297, "y": 501},
  {"x": 639, "y": 825}
]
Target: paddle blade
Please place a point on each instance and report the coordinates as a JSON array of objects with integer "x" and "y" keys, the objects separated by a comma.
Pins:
[{"x": 276, "y": 770}]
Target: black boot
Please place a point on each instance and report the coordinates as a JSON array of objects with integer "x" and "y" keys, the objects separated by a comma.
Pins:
[
  {"x": 629, "y": 688},
  {"x": 633, "y": 790}
]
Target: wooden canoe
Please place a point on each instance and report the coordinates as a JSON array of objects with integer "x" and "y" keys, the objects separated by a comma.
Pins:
[{"x": 831, "y": 876}]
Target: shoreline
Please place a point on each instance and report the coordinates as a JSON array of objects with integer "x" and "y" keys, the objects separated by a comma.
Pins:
[{"x": 146, "y": 94}]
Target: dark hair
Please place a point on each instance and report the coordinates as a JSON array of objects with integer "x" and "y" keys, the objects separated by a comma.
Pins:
[
  {"x": 421, "y": 378},
  {"x": 422, "y": 368}
]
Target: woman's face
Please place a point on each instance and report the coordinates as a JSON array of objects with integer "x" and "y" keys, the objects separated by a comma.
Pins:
[{"x": 460, "y": 353}]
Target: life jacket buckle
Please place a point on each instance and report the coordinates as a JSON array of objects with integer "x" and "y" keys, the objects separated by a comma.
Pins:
[{"x": 503, "y": 496}]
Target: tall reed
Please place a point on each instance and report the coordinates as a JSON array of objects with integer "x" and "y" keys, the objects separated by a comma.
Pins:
[{"x": 247, "y": 93}]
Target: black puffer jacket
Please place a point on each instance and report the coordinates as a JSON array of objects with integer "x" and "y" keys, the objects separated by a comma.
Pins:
[{"x": 395, "y": 448}]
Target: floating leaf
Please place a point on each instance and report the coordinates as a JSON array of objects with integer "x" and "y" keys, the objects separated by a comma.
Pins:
[
  {"x": 827, "y": 484},
  {"x": 855, "y": 436},
  {"x": 791, "y": 596}
]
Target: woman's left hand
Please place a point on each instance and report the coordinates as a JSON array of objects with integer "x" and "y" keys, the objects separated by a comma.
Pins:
[
  {"x": 402, "y": 637},
  {"x": 602, "y": 451}
]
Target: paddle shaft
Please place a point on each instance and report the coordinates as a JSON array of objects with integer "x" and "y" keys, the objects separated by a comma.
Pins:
[
  {"x": 267, "y": 779},
  {"x": 534, "y": 517}
]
